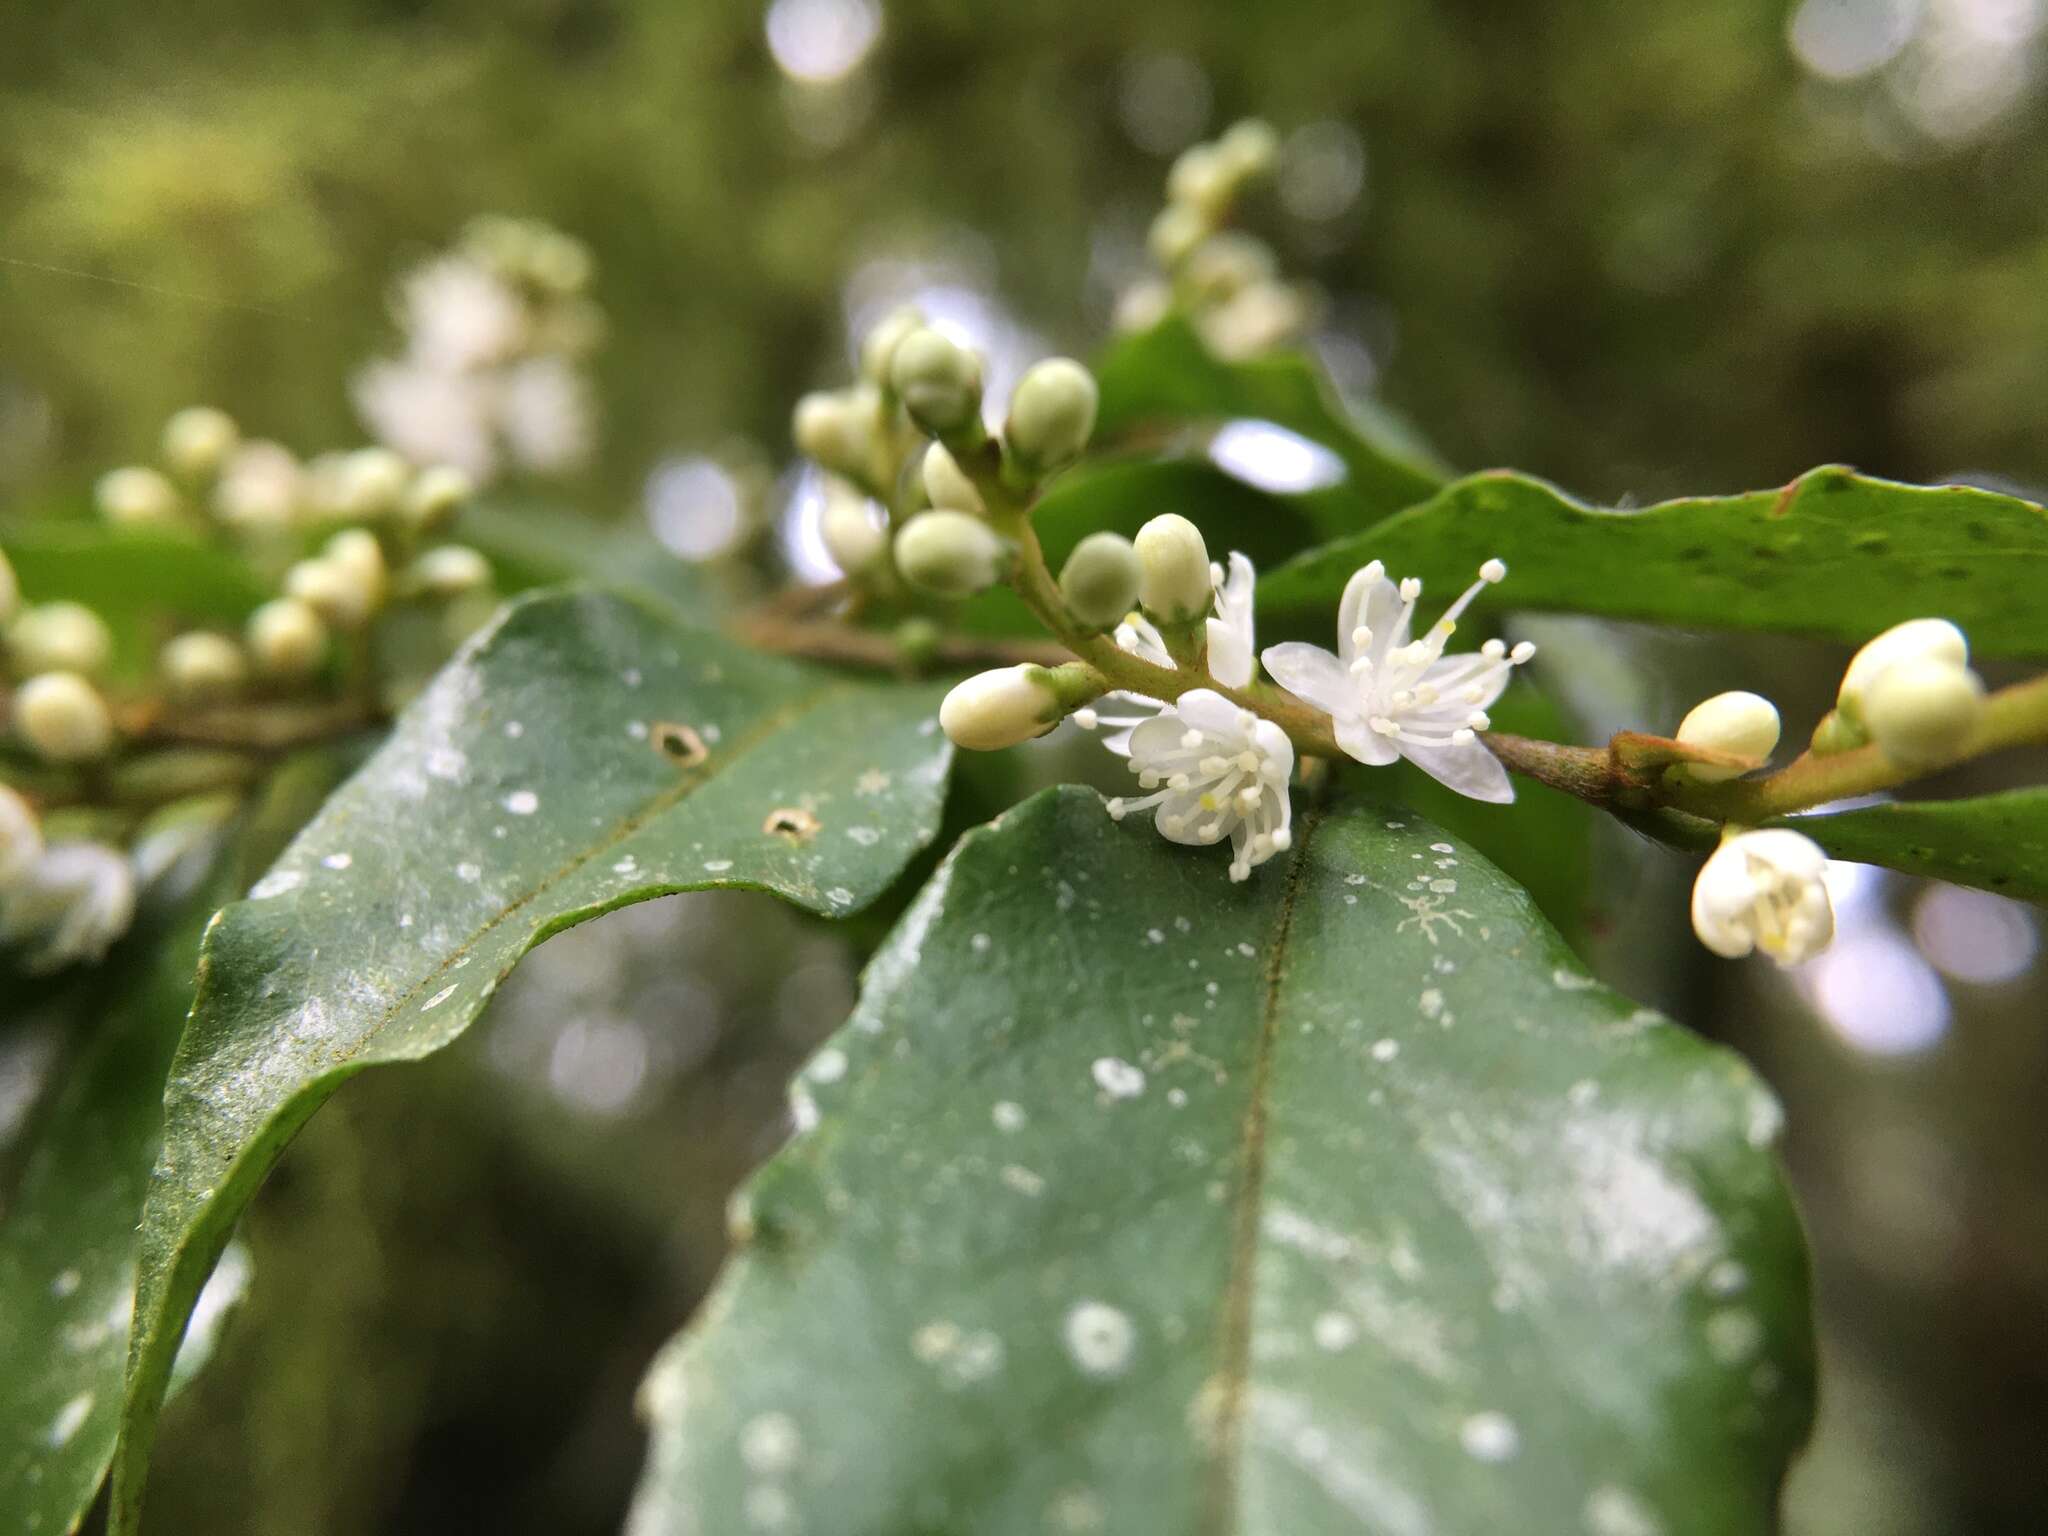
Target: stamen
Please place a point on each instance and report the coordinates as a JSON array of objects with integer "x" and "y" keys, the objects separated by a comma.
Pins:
[
  {"x": 1361, "y": 637},
  {"x": 1116, "y": 809},
  {"x": 1282, "y": 840},
  {"x": 1479, "y": 720},
  {"x": 1494, "y": 570},
  {"x": 1374, "y": 570},
  {"x": 1461, "y": 737},
  {"x": 1191, "y": 741},
  {"x": 1178, "y": 781},
  {"x": 1085, "y": 718},
  {"x": 1522, "y": 652},
  {"x": 1493, "y": 650},
  {"x": 1411, "y": 588}
]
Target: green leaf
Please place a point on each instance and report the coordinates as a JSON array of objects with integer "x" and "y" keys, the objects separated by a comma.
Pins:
[
  {"x": 1337, "y": 1201},
  {"x": 1836, "y": 555},
  {"x": 1995, "y": 842},
  {"x": 1166, "y": 378},
  {"x": 68, "y": 1240},
  {"x": 583, "y": 753},
  {"x": 143, "y": 583}
]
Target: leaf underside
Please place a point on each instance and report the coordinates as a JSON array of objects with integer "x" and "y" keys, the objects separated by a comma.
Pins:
[
  {"x": 1834, "y": 555},
  {"x": 584, "y": 753},
  {"x": 1338, "y": 1201},
  {"x": 1995, "y": 842}
]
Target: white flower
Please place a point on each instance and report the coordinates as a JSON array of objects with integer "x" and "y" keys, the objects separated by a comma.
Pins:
[
  {"x": 1389, "y": 697},
  {"x": 72, "y": 904},
  {"x": 1230, "y": 643},
  {"x": 1764, "y": 890},
  {"x": 1216, "y": 771},
  {"x": 545, "y": 415},
  {"x": 458, "y": 315},
  {"x": 429, "y": 415}
]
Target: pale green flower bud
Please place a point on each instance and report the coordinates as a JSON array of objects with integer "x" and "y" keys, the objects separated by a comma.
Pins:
[
  {"x": 10, "y": 589},
  {"x": 1052, "y": 413},
  {"x": 435, "y": 494},
  {"x": 1174, "y": 234},
  {"x": 949, "y": 554},
  {"x": 202, "y": 668},
  {"x": 998, "y": 709},
  {"x": 21, "y": 838},
  {"x": 1174, "y": 585},
  {"x": 1914, "y": 640},
  {"x": 1254, "y": 320},
  {"x": 878, "y": 347},
  {"x": 558, "y": 262},
  {"x": 59, "y": 637},
  {"x": 453, "y": 570},
  {"x": 1226, "y": 264},
  {"x": 62, "y": 717},
  {"x": 1920, "y": 711},
  {"x": 357, "y": 551},
  {"x": 1249, "y": 148},
  {"x": 1099, "y": 582},
  {"x": 261, "y": 488},
  {"x": 70, "y": 905},
  {"x": 373, "y": 482},
  {"x": 1203, "y": 179},
  {"x": 1143, "y": 305},
  {"x": 946, "y": 483},
  {"x": 1745, "y": 724},
  {"x": 835, "y": 429},
  {"x": 336, "y": 592},
  {"x": 287, "y": 639},
  {"x": 198, "y": 440},
  {"x": 854, "y": 536},
  {"x": 938, "y": 379},
  {"x": 137, "y": 498}
]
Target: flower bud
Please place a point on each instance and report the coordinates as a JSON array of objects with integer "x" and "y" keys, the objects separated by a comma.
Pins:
[
  {"x": 202, "y": 667},
  {"x": 1745, "y": 724},
  {"x": 287, "y": 639},
  {"x": 834, "y": 428},
  {"x": 335, "y": 591},
  {"x": 1249, "y": 148},
  {"x": 878, "y": 347},
  {"x": 946, "y": 483},
  {"x": 1143, "y": 305},
  {"x": 558, "y": 262},
  {"x": 1174, "y": 233},
  {"x": 59, "y": 637},
  {"x": 1764, "y": 890},
  {"x": 1920, "y": 711},
  {"x": 1099, "y": 582},
  {"x": 373, "y": 482},
  {"x": 1203, "y": 179},
  {"x": 136, "y": 498},
  {"x": 435, "y": 494},
  {"x": 357, "y": 551},
  {"x": 1174, "y": 585},
  {"x": 69, "y": 906},
  {"x": 1916, "y": 639},
  {"x": 21, "y": 838},
  {"x": 949, "y": 554},
  {"x": 63, "y": 717},
  {"x": 10, "y": 589},
  {"x": 1254, "y": 320},
  {"x": 853, "y": 536},
  {"x": 452, "y": 570},
  {"x": 198, "y": 440},
  {"x": 939, "y": 381},
  {"x": 1052, "y": 413},
  {"x": 1226, "y": 264},
  {"x": 260, "y": 488},
  {"x": 998, "y": 709}
]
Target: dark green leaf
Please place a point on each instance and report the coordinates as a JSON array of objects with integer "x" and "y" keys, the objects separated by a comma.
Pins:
[
  {"x": 1165, "y": 378},
  {"x": 582, "y": 754},
  {"x": 1338, "y": 1201},
  {"x": 1996, "y": 842},
  {"x": 1836, "y": 555},
  {"x": 68, "y": 1240}
]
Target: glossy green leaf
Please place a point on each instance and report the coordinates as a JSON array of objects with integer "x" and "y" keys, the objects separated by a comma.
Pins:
[
  {"x": 68, "y": 1240},
  {"x": 1996, "y": 842},
  {"x": 584, "y": 753},
  {"x": 143, "y": 583},
  {"x": 1163, "y": 379},
  {"x": 1835, "y": 555},
  {"x": 1337, "y": 1201}
]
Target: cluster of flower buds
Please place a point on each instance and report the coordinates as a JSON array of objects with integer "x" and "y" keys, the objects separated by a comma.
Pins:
[
  {"x": 496, "y": 332},
  {"x": 899, "y": 501},
  {"x": 1226, "y": 281},
  {"x": 1912, "y": 692}
]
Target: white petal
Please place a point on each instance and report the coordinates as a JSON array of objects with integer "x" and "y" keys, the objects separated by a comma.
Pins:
[
  {"x": 1186, "y": 806},
  {"x": 1375, "y": 604},
  {"x": 1470, "y": 770},
  {"x": 1366, "y": 744},
  {"x": 1209, "y": 712},
  {"x": 1146, "y": 642},
  {"x": 1158, "y": 736},
  {"x": 1230, "y": 654},
  {"x": 1314, "y": 676},
  {"x": 1113, "y": 708},
  {"x": 1279, "y": 751}
]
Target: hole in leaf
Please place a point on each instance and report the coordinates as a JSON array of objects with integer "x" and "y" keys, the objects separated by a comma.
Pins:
[
  {"x": 678, "y": 743},
  {"x": 791, "y": 822}
]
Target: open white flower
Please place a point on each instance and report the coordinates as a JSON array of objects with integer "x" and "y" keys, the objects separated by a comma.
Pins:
[
  {"x": 1389, "y": 697},
  {"x": 70, "y": 905},
  {"x": 1215, "y": 771},
  {"x": 1230, "y": 645},
  {"x": 1764, "y": 890}
]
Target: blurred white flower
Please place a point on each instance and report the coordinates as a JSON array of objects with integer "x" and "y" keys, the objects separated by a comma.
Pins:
[
  {"x": 458, "y": 315},
  {"x": 429, "y": 416},
  {"x": 545, "y": 415},
  {"x": 71, "y": 905}
]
